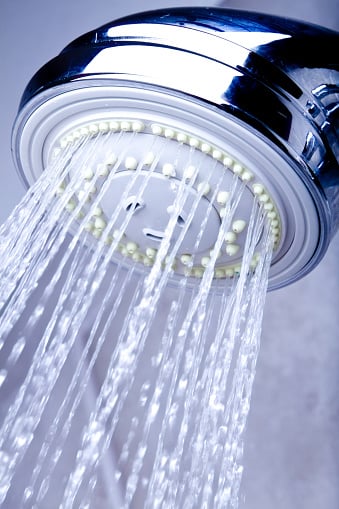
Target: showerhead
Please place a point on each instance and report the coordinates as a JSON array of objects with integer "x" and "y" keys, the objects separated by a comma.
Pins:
[{"x": 228, "y": 96}]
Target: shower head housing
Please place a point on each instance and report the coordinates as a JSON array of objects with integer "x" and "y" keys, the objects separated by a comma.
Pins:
[{"x": 257, "y": 95}]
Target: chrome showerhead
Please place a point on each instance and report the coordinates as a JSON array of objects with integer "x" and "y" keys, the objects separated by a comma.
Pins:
[{"x": 255, "y": 96}]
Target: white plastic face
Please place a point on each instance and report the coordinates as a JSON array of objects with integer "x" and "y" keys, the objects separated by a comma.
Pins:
[
  {"x": 165, "y": 160},
  {"x": 164, "y": 127}
]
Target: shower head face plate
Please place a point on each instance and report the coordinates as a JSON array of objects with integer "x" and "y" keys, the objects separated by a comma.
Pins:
[
  {"x": 145, "y": 168},
  {"x": 171, "y": 141}
]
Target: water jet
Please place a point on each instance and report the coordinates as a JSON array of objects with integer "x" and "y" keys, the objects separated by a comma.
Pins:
[{"x": 184, "y": 117}]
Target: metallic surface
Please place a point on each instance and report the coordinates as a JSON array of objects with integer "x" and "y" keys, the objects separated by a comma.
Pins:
[{"x": 278, "y": 77}]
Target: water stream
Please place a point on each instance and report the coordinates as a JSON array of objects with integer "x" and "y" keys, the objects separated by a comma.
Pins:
[{"x": 125, "y": 382}]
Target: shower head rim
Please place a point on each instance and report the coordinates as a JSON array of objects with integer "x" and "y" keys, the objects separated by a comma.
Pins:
[{"x": 61, "y": 92}]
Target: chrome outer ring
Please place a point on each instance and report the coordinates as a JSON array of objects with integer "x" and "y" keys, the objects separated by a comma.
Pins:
[
  {"x": 248, "y": 69},
  {"x": 68, "y": 107}
]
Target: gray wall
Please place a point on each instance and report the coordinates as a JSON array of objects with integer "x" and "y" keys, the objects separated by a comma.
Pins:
[{"x": 292, "y": 442}]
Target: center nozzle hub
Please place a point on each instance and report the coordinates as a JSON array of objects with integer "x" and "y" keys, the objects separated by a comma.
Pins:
[{"x": 151, "y": 201}]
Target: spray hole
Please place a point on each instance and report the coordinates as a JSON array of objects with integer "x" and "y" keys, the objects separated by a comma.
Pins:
[
  {"x": 153, "y": 234},
  {"x": 181, "y": 221},
  {"x": 132, "y": 204}
]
